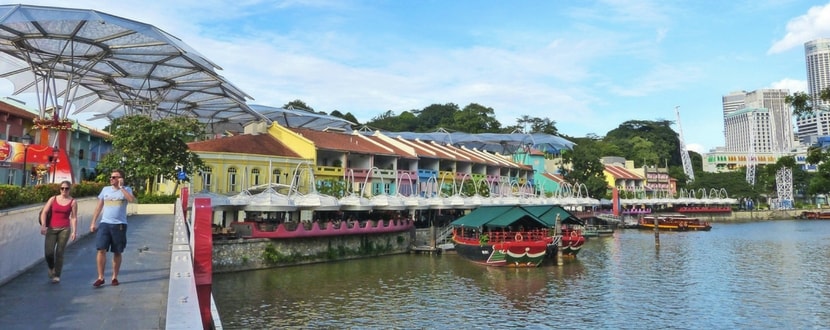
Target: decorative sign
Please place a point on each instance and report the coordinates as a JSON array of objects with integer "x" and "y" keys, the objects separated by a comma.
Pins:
[{"x": 5, "y": 149}]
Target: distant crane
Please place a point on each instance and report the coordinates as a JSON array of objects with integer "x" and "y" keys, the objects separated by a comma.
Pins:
[{"x": 684, "y": 153}]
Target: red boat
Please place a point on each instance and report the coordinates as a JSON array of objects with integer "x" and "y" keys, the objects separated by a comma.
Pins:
[
  {"x": 673, "y": 222},
  {"x": 515, "y": 236},
  {"x": 814, "y": 215}
]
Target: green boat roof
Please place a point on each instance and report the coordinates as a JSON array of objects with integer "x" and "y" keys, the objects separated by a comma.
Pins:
[
  {"x": 548, "y": 213},
  {"x": 501, "y": 216}
]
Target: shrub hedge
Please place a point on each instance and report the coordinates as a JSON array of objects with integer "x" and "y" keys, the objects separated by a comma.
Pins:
[{"x": 13, "y": 196}]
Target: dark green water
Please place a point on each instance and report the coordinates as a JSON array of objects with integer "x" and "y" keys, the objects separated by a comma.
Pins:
[{"x": 760, "y": 275}]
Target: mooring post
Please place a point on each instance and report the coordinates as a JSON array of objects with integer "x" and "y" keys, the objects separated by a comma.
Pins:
[
  {"x": 656, "y": 231},
  {"x": 557, "y": 230}
]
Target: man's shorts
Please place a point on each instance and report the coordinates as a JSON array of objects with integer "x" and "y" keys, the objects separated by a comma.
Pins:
[{"x": 111, "y": 238}]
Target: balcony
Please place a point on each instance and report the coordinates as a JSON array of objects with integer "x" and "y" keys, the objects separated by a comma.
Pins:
[{"x": 328, "y": 171}]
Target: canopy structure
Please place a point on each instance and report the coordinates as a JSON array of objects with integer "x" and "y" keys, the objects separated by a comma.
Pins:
[
  {"x": 498, "y": 216},
  {"x": 494, "y": 142},
  {"x": 303, "y": 119},
  {"x": 87, "y": 61}
]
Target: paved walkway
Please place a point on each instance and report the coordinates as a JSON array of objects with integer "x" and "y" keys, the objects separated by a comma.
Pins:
[{"x": 32, "y": 301}]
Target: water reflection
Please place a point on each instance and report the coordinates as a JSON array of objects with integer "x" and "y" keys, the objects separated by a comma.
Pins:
[{"x": 751, "y": 275}]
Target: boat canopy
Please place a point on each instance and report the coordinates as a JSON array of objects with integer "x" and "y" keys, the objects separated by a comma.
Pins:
[
  {"x": 548, "y": 214},
  {"x": 502, "y": 216}
]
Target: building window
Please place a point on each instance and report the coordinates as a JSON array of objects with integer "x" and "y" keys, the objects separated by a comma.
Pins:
[
  {"x": 207, "y": 178},
  {"x": 232, "y": 179},
  {"x": 81, "y": 154},
  {"x": 275, "y": 176},
  {"x": 255, "y": 176}
]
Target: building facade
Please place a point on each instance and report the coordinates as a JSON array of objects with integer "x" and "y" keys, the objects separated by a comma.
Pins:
[
  {"x": 758, "y": 121},
  {"x": 817, "y": 58}
]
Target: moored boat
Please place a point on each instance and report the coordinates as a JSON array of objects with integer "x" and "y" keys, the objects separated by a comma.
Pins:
[
  {"x": 516, "y": 236},
  {"x": 673, "y": 222}
]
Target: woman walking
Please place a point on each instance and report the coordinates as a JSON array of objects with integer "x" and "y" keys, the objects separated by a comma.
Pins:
[{"x": 60, "y": 229}]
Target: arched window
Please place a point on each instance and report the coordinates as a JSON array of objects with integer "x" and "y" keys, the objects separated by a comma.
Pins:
[
  {"x": 275, "y": 176},
  {"x": 232, "y": 179},
  {"x": 255, "y": 177}
]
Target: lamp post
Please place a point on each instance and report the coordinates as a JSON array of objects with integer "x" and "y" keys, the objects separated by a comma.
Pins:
[
  {"x": 55, "y": 153},
  {"x": 26, "y": 139}
]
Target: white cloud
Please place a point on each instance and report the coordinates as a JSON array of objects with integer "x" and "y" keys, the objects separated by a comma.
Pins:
[
  {"x": 792, "y": 84},
  {"x": 813, "y": 25},
  {"x": 698, "y": 148}
]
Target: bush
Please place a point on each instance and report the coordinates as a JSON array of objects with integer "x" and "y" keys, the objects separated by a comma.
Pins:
[
  {"x": 156, "y": 199},
  {"x": 12, "y": 196}
]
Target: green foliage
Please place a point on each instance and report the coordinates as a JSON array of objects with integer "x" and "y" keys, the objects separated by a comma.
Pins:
[
  {"x": 331, "y": 187},
  {"x": 474, "y": 118},
  {"x": 146, "y": 148},
  {"x": 298, "y": 105},
  {"x": 586, "y": 168},
  {"x": 733, "y": 182},
  {"x": 646, "y": 142},
  {"x": 803, "y": 105},
  {"x": 156, "y": 199},
  {"x": 11, "y": 196}
]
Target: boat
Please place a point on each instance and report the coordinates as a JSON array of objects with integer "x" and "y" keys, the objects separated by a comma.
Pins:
[
  {"x": 824, "y": 215},
  {"x": 673, "y": 222},
  {"x": 517, "y": 236}
]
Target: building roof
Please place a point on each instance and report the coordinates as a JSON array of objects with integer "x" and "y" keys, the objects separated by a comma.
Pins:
[
  {"x": 259, "y": 144},
  {"x": 619, "y": 172},
  {"x": 344, "y": 142}
]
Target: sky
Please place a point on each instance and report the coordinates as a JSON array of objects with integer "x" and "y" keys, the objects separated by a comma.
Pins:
[{"x": 587, "y": 65}]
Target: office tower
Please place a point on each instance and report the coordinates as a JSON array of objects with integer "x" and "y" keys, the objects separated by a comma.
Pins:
[
  {"x": 817, "y": 57},
  {"x": 759, "y": 118}
]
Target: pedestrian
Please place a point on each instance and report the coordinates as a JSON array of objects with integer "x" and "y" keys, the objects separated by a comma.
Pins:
[
  {"x": 60, "y": 229},
  {"x": 112, "y": 231}
]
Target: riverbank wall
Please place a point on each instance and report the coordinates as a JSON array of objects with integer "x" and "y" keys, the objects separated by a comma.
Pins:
[
  {"x": 230, "y": 255},
  {"x": 744, "y": 216}
]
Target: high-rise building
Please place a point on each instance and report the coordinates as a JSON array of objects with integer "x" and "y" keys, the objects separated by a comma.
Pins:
[
  {"x": 817, "y": 57},
  {"x": 758, "y": 121}
]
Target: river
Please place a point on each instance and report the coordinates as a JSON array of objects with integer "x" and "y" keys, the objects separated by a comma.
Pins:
[{"x": 770, "y": 274}]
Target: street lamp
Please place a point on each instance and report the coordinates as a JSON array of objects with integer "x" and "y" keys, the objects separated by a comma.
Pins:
[{"x": 26, "y": 139}]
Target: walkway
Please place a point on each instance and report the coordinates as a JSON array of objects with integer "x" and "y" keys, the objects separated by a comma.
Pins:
[{"x": 31, "y": 301}]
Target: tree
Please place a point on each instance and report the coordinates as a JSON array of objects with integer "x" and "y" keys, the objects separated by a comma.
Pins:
[
  {"x": 475, "y": 118},
  {"x": 665, "y": 140},
  {"x": 585, "y": 168},
  {"x": 298, "y": 105},
  {"x": 435, "y": 116},
  {"x": 803, "y": 105},
  {"x": 147, "y": 148},
  {"x": 537, "y": 125}
]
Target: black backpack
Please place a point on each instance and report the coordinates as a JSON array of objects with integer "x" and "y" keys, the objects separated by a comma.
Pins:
[{"x": 48, "y": 214}]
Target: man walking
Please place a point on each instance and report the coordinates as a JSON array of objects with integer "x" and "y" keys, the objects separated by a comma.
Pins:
[{"x": 112, "y": 231}]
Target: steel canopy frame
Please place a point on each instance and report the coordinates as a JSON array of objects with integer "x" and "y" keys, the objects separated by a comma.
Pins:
[{"x": 78, "y": 60}]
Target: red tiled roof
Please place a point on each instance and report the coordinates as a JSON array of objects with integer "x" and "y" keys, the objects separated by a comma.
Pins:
[
  {"x": 620, "y": 172},
  {"x": 342, "y": 142},
  {"x": 555, "y": 177},
  {"x": 260, "y": 144},
  {"x": 420, "y": 150},
  {"x": 400, "y": 152}
]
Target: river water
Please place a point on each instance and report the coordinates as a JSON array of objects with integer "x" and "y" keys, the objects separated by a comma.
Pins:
[{"x": 760, "y": 275}]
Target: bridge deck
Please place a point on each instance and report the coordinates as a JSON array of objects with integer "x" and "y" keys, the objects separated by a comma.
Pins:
[{"x": 31, "y": 301}]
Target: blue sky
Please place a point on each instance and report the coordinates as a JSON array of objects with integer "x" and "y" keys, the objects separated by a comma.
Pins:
[{"x": 587, "y": 65}]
